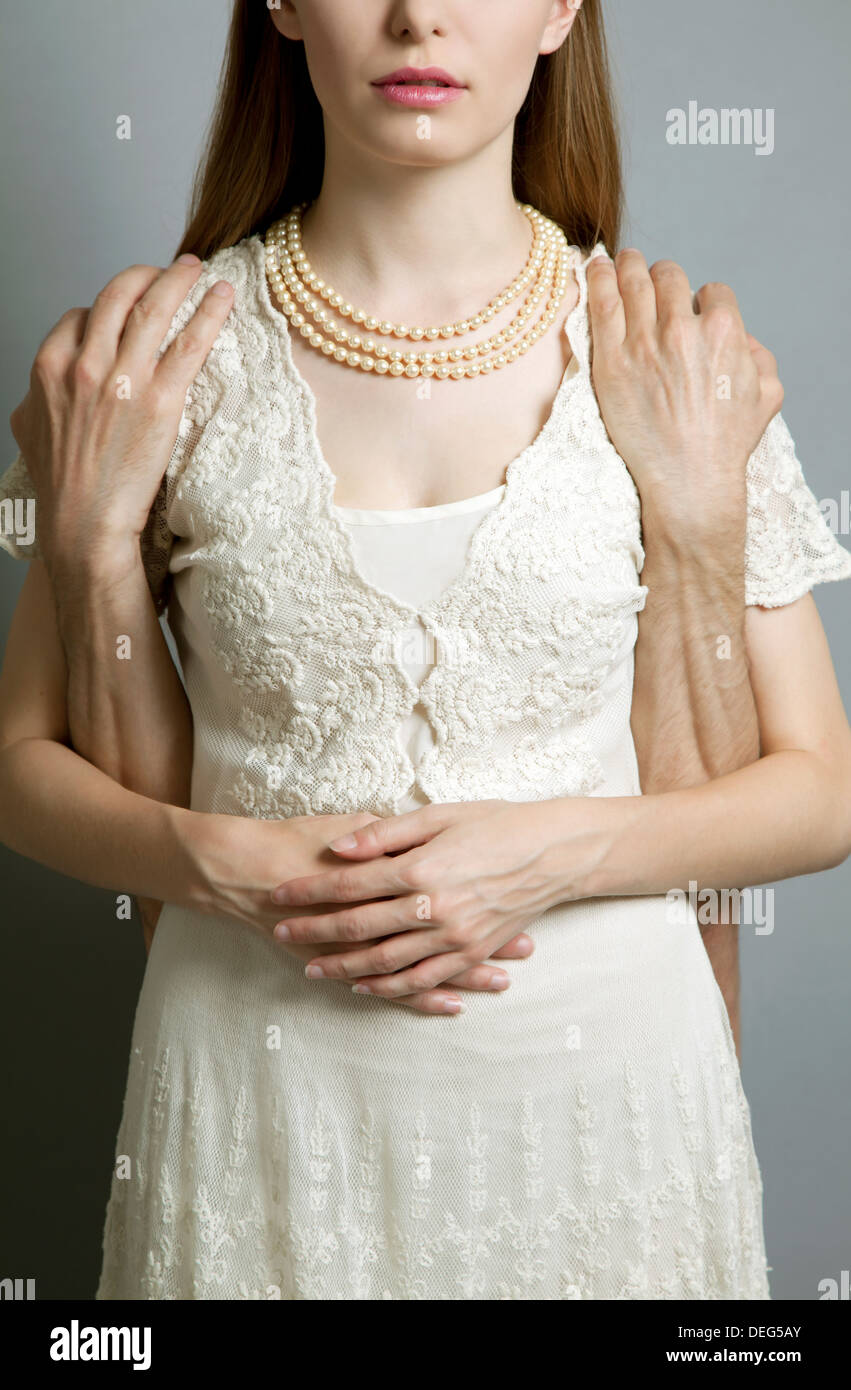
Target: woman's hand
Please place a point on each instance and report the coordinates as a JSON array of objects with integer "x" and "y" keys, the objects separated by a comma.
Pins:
[
  {"x": 99, "y": 422},
  {"x": 477, "y": 873},
  {"x": 685, "y": 396},
  {"x": 239, "y": 860}
]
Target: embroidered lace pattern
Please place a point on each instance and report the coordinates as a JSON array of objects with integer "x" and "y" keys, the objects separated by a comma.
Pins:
[
  {"x": 317, "y": 1221},
  {"x": 376, "y": 1153}
]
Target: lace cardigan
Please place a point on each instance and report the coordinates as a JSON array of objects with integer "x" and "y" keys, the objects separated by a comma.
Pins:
[{"x": 298, "y": 647}]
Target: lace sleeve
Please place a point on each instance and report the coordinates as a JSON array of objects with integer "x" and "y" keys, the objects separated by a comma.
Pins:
[
  {"x": 18, "y": 504},
  {"x": 789, "y": 546}
]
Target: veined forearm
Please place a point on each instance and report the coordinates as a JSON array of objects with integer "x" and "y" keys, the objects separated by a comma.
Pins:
[
  {"x": 795, "y": 808},
  {"x": 59, "y": 810},
  {"x": 693, "y": 710},
  {"x": 127, "y": 710}
]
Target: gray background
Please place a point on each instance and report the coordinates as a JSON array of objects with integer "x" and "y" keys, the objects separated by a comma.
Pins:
[{"x": 80, "y": 205}]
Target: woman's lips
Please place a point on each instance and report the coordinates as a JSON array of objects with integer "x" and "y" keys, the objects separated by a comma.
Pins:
[{"x": 412, "y": 94}]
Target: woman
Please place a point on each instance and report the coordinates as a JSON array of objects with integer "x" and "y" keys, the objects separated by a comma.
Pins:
[{"x": 429, "y": 648}]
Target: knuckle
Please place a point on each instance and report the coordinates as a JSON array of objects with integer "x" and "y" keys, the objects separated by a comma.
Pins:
[
  {"x": 774, "y": 392},
  {"x": 85, "y": 372},
  {"x": 382, "y": 958},
  {"x": 346, "y": 883},
  {"x": 675, "y": 332},
  {"x": 142, "y": 311},
  {"x": 455, "y": 937},
  {"x": 350, "y": 929},
  {"x": 416, "y": 875},
  {"x": 665, "y": 267},
  {"x": 157, "y": 399},
  {"x": 633, "y": 278},
  {"x": 723, "y": 320},
  {"x": 47, "y": 363},
  {"x": 715, "y": 287},
  {"x": 187, "y": 344},
  {"x": 112, "y": 292}
]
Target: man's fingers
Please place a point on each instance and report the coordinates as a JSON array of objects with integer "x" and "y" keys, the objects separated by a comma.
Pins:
[
  {"x": 766, "y": 362},
  {"x": 134, "y": 314},
  {"x": 637, "y": 292},
  {"x": 108, "y": 315},
  {"x": 60, "y": 345},
  {"x": 186, "y": 355},
  {"x": 717, "y": 295},
  {"x": 605, "y": 306},
  {"x": 673, "y": 291}
]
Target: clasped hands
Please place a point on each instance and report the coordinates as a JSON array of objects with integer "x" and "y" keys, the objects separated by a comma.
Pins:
[{"x": 443, "y": 888}]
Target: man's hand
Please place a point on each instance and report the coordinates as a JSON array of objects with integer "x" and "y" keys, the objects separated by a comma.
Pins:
[
  {"x": 98, "y": 424},
  {"x": 685, "y": 395}
]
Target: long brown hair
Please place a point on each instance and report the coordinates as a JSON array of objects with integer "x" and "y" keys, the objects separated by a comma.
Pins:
[{"x": 265, "y": 149}]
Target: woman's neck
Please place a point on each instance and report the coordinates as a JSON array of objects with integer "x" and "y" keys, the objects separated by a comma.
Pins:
[{"x": 416, "y": 244}]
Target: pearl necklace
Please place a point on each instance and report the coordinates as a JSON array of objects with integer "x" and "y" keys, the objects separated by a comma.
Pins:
[{"x": 296, "y": 287}]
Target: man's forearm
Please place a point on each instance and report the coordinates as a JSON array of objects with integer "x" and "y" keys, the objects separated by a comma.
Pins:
[
  {"x": 128, "y": 714},
  {"x": 693, "y": 711}
]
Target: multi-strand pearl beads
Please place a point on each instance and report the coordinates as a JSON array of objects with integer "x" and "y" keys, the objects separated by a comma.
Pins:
[{"x": 296, "y": 287}]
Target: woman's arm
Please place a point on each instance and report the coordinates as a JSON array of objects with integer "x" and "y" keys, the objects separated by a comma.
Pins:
[
  {"x": 787, "y": 814},
  {"x": 56, "y": 808}
]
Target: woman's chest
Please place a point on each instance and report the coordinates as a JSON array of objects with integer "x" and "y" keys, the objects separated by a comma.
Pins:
[{"x": 393, "y": 443}]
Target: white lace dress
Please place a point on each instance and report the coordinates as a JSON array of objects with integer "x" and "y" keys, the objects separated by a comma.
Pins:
[{"x": 583, "y": 1135}]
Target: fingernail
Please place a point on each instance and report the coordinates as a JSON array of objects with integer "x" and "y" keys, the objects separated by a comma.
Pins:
[
  {"x": 499, "y": 981},
  {"x": 188, "y": 258},
  {"x": 344, "y": 842},
  {"x": 222, "y": 288},
  {"x": 279, "y": 894},
  {"x": 361, "y": 989},
  {"x": 453, "y": 1006},
  {"x": 314, "y": 972},
  {"x": 282, "y": 932}
]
